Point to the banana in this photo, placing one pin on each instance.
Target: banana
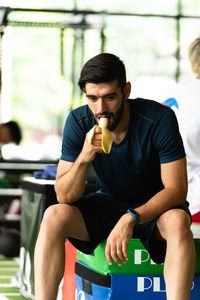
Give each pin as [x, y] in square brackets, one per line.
[107, 139]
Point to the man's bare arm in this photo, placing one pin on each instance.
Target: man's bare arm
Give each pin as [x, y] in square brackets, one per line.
[71, 177]
[70, 181]
[174, 178]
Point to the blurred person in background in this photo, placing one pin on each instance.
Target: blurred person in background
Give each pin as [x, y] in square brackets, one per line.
[185, 101]
[10, 132]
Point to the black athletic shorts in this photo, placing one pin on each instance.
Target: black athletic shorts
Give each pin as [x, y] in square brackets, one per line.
[101, 213]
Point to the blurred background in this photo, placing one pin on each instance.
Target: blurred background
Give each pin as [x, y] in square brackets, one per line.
[44, 45]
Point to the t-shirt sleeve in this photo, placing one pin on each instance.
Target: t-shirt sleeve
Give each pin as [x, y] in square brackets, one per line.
[72, 140]
[167, 138]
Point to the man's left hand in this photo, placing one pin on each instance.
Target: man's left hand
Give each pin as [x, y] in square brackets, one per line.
[118, 239]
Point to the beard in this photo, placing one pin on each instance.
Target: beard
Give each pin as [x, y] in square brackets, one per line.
[115, 117]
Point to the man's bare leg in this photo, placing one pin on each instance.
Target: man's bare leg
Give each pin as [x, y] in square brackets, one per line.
[179, 266]
[59, 221]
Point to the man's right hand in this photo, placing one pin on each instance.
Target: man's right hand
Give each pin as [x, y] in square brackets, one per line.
[71, 177]
[89, 150]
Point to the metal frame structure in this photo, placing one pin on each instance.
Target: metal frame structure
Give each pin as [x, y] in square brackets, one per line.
[79, 30]
[83, 25]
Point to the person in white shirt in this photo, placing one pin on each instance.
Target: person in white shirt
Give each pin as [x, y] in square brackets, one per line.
[185, 102]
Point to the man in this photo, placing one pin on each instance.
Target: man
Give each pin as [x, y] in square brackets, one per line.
[10, 132]
[145, 173]
[186, 95]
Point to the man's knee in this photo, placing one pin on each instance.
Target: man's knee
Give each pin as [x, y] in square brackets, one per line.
[55, 216]
[179, 219]
[174, 222]
[64, 220]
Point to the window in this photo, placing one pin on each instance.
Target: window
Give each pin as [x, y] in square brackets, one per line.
[43, 51]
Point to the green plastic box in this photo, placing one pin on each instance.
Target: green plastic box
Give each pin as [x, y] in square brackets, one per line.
[139, 262]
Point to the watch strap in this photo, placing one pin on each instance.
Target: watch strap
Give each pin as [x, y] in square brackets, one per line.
[134, 214]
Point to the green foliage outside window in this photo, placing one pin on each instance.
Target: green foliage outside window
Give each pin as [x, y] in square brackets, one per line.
[47, 59]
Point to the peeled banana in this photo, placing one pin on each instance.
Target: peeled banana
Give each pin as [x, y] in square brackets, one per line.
[107, 139]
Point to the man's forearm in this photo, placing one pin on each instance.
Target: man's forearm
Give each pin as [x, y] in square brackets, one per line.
[70, 186]
[159, 203]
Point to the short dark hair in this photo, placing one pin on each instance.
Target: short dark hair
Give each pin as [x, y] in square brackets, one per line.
[104, 67]
[15, 131]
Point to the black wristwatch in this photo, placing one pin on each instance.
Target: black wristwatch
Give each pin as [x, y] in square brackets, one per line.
[134, 214]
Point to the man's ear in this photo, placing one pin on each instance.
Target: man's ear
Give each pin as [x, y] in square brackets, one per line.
[127, 90]
[84, 90]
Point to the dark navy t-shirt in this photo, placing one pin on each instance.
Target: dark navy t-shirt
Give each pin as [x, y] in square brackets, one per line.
[131, 172]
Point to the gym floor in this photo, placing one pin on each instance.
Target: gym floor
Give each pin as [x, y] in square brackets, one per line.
[8, 283]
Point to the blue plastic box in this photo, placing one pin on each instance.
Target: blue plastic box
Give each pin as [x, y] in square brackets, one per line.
[93, 285]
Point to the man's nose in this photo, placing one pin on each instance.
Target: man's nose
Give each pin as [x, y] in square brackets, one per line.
[101, 105]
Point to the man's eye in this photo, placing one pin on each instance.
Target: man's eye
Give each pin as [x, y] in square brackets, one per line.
[93, 99]
[110, 98]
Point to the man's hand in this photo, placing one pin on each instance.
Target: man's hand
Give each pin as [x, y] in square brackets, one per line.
[117, 242]
[90, 149]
